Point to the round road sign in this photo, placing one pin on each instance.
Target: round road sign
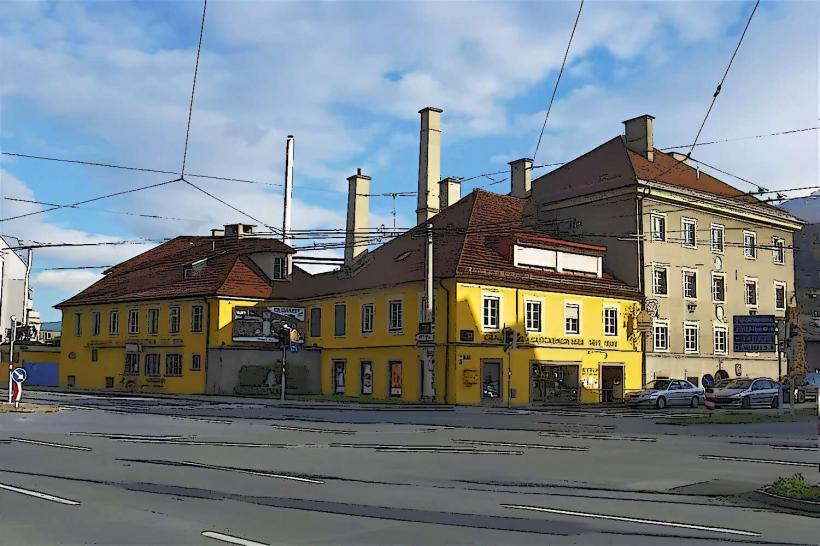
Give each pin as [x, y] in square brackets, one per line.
[19, 375]
[707, 381]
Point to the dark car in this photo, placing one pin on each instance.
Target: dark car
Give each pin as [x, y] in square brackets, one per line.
[746, 393]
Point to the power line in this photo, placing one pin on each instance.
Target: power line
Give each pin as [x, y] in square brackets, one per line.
[721, 141]
[240, 211]
[558, 80]
[193, 88]
[142, 215]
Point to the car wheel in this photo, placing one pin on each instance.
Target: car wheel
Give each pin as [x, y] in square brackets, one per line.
[695, 401]
[746, 403]
[801, 397]
[775, 402]
[661, 403]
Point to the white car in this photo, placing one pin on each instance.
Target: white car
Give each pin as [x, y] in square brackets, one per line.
[662, 393]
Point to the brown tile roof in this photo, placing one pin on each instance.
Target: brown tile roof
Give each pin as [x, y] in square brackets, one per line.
[159, 272]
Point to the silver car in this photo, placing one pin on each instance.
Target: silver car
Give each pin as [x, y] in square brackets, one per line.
[746, 393]
[662, 393]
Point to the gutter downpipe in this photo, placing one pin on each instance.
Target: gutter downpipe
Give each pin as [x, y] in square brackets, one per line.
[207, 342]
[447, 345]
[639, 226]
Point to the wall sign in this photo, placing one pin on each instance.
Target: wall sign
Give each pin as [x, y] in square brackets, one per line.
[466, 335]
[754, 333]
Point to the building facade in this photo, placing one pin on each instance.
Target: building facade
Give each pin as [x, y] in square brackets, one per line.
[13, 287]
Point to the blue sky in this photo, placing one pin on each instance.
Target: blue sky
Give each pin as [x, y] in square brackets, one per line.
[110, 82]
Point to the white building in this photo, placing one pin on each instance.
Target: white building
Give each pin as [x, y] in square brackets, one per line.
[12, 287]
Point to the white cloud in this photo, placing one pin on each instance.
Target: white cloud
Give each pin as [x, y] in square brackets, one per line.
[68, 282]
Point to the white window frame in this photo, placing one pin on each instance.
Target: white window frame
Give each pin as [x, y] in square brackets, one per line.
[652, 217]
[746, 281]
[614, 331]
[397, 325]
[572, 305]
[95, 323]
[750, 253]
[280, 268]
[196, 362]
[487, 320]
[174, 319]
[367, 327]
[530, 322]
[114, 322]
[694, 223]
[778, 251]
[153, 325]
[133, 321]
[656, 324]
[684, 272]
[720, 328]
[656, 267]
[197, 313]
[722, 229]
[174, 359]
[712, 287]
[689, 325]
[780, 284]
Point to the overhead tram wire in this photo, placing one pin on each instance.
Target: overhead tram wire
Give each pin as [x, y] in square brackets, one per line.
[193, 89]
[721, 141]
[126, 213]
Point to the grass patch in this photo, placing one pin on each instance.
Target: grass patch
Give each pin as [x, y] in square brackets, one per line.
[796, 488]
[741, 418]
[27, 408]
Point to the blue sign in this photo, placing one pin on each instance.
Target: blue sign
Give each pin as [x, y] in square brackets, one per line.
[754, 334]
[707, 381]
[294, 348]
[18, 375]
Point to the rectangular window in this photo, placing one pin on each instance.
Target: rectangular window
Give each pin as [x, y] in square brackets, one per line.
[78, 324]
[196, 362]
[114, 322]
[152, 365]
[367, 318]
[572, 318]
[751, 292]
[133, 321]
[95, 355]
[661, 336]
[153, 321]
[691, 331]
[109, 382]
[132, 364]
[173, 365]
[280, 268]
[778, 250]
[721, 340]
[780, 296]
[95, 323]
[610, 321]
[339, 319]
[718, 288]
[490, 311]
[395, 320]
[717, 238]
[196, 318]
[689, 236]
[750, 245]
[690, 284]
[658, 227]
[316, 322]
[659, 280]
[533, 316]
[173, 319]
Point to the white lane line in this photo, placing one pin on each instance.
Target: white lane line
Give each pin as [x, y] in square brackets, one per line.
[634, 520]
[533, 446]
[320, 430]
[218, 421]
[115, 436]
[232, 540]
[751, 460]
[44, 496]
[253, 472]
[448, 451]
[64, 446]
[595, 437]
[198, 443]
[797, 448]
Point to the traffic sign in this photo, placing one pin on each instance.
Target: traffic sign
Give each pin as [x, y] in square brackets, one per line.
[707, 381]
[754, 334]
[709, 402]
[19, 375]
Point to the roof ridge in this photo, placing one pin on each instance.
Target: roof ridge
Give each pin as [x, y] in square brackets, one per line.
[476, 192]
[580, 157]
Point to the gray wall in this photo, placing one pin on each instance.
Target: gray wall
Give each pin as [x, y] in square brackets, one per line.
[224, 365]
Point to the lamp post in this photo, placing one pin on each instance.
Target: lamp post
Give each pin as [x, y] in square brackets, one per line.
[11, 350]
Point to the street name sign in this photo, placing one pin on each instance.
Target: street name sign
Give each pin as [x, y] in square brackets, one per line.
[754, 333]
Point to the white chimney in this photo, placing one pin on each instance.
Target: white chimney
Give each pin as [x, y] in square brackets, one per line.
[639, 137]
[356, 238]
[286, 209]
[449, 191]
[520, 177]
[429, 164]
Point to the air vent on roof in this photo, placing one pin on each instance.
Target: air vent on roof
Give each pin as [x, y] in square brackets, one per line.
[402, 256]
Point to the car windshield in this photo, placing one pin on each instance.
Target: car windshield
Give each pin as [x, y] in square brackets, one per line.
[658, 384]
[734, 384]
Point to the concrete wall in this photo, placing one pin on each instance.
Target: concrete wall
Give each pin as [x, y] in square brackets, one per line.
[225, 364]
[12, 275]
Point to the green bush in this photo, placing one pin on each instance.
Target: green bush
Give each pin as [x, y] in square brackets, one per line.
[796, 488]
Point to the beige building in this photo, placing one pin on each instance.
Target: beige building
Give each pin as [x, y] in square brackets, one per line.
[701, 251]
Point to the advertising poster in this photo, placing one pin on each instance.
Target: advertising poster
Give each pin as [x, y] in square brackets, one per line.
[395, 379]
[367, 378]
[265, 324]
[339, 377]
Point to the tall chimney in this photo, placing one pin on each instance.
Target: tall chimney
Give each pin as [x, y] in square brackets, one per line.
[357, 211]
[639, 138]
[449, 191]
[520, 177]
[286, 209]
[429, 163]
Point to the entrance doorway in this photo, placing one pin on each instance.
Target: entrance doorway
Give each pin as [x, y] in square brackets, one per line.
[338, 377]
[491, 381]
[612, 383]
[553, 383]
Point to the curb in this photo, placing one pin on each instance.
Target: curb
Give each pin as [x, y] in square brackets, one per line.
[805, 507]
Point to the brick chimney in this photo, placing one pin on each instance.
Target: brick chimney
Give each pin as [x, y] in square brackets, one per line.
[429, 164]
[520, 177]
[358, 204]
[449, 191]
[639, 138]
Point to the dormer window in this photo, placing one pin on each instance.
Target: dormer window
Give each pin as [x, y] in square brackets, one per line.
[545, 259]
[280, 268]
[192, 270]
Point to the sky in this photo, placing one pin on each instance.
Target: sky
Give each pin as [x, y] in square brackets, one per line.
[110, 82]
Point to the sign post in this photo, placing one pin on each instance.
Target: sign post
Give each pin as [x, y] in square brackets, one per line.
[18, 377]
[11, 351]
[708, 383]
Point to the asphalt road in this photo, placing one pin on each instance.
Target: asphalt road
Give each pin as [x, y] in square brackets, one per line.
[203, 470]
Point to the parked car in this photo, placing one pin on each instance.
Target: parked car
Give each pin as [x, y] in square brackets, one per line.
[744, 392]
[806, 387]
[661, 393]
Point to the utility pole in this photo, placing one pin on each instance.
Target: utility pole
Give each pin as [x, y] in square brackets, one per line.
[428, 388]
[11, 350]
[285, 348]
[25, 288]
[286, 209]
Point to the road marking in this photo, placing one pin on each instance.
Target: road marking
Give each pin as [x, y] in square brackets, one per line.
[534, 446]
[219, 421]
[796, 448]
[751, 460]
[115, 436]
[44, 496]
[65, 446]
[634, 520]
[199, 443]
[232, 540]
[306, 429]
[595, 437]
[253, 472]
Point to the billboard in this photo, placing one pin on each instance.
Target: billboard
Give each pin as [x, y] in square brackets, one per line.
[754, 333]
[266, 324]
